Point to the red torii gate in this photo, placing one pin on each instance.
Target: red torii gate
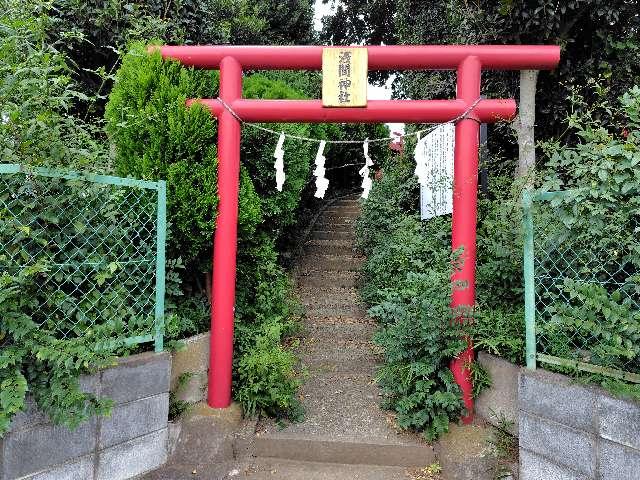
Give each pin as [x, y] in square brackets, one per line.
[468, 61]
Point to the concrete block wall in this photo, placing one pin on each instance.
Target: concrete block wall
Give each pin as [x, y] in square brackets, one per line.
[575, 432]
[192, 362]
[132, 441]
[498, 404]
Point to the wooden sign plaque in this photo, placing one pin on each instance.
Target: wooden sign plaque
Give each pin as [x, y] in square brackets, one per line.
[344, 77]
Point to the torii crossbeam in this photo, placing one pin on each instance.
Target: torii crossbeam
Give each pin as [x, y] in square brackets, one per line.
[468, 61]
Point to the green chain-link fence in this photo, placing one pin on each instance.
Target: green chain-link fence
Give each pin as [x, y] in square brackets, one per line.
[97, 244]
[582, 285]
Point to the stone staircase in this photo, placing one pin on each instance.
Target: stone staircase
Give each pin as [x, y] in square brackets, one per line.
[345, 434]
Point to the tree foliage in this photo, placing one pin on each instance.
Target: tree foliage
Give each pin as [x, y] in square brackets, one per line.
[36, 94]
[157, 136]
[93, 33]
[407, 284]
[599, 40]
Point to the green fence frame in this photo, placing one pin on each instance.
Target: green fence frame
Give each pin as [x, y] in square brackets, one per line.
[161, 231]
[532, 356]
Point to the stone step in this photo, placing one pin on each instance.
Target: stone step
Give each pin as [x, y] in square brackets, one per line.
[340, 217]
[326, 243]
[333, 235]
[330, 247]
[347, 202]
[346, 328]
[339, 279]
[347, 263]
[337, 220]
[339, 356]
[343, 208]
[334, 227]
[339, 406]
[335, 311]
[371, 453]
[262, 469]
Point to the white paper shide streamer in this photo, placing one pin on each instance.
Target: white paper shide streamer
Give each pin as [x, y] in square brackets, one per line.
[279, 163]
[364, 171]
[321, 181]
[434, 168]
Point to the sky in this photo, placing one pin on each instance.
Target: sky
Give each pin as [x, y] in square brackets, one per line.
[374, 92]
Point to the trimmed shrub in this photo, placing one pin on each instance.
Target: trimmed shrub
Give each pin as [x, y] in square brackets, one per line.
[156, 135]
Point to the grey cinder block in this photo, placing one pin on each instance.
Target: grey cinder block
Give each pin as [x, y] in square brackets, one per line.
[137, 377]
[618, 462]
[90, 383]
[133, 458]
[554, 397]
[77, 470]
[564, 446]
[535, 467]
[43, 446]
[134, 419]
[620, 421]
[32, 415]
[28, 418]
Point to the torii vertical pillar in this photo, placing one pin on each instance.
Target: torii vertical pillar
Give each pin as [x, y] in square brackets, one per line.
[225, 239]
[465, 214]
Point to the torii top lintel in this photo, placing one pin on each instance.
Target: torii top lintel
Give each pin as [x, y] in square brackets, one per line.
[467, 60]
[391, 57]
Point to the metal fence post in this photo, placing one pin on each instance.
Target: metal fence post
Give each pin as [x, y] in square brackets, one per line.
[160, 264]
[529, 281]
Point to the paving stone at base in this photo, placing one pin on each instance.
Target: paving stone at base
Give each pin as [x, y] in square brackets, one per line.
[563, 445]
[536, 467]
[619, 421]
[464, 453]
[618, 462]
[204, 441]
[133, 458]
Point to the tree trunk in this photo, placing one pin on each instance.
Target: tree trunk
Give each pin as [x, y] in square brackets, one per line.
[525, 123]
